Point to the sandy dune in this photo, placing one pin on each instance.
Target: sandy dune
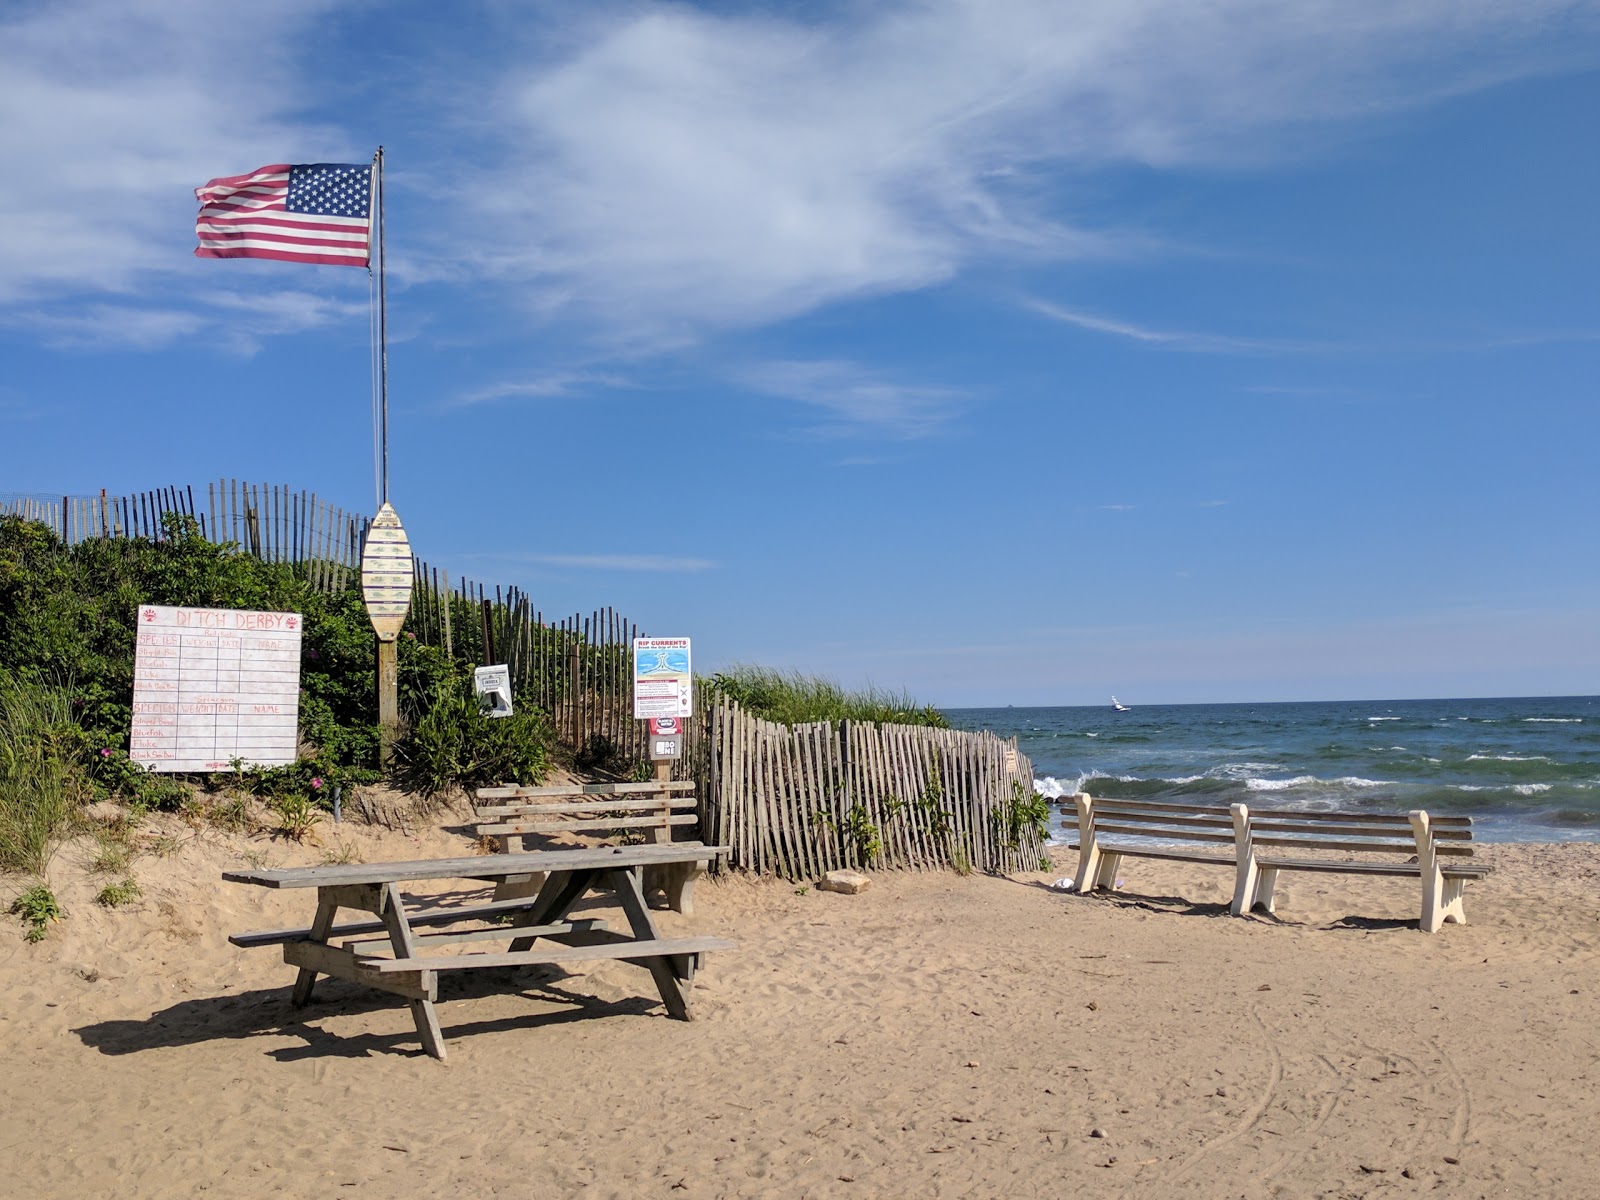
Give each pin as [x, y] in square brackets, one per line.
[934, 1036]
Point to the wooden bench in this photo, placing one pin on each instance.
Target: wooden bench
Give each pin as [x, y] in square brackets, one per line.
[1266, 842]
[1110, 830]
[535, 817]
[1273, 841]
[391, 951]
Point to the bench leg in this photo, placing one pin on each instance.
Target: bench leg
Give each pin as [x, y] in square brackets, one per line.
[1441, 901]
[676, 881]
[1265, 883]
[515, 887]
[1454, 910]
[306, 980]
[1105, 875]
[1245, 872]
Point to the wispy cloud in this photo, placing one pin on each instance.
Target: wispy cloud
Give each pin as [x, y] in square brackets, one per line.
[1168, 339]
[855, 400]
[548, 386]
[113, 111]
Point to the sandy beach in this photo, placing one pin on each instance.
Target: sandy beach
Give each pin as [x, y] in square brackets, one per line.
[936, 1035]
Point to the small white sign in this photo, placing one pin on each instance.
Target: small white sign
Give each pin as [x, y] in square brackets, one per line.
[492, 687]
[662, 681]
[666, 746]
[214, 684]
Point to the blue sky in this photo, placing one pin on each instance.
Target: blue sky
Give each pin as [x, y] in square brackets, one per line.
[1006, 352]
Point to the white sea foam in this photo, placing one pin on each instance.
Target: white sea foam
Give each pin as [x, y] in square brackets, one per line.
[1531, 789]
[1508, 758]
[1283, 785]
[1386, 718]
[1552, 720]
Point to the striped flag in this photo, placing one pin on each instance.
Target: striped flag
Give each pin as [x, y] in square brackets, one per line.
[309, 213]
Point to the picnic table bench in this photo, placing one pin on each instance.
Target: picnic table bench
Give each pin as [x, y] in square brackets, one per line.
[1265, 842]
[533, 817]
[397, 952]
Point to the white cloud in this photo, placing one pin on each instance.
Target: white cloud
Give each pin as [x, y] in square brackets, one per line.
[682, 171]
[855, 400]
[113, 111]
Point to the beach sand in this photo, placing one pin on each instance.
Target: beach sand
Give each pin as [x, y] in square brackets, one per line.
[936, 1035]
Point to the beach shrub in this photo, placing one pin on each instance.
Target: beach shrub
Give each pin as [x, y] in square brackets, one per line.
[115, 895]
[298, 815]
[453, 744]
[42, 785]
[792, 698]
[37, 907]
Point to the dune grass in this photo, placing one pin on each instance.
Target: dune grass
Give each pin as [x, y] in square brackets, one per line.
[792, 697]
[41, 787]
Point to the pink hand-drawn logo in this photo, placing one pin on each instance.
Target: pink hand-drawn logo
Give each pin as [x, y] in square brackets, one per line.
[290, 622]
[149, 615]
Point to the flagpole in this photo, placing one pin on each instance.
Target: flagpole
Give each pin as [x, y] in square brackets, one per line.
[383, 348]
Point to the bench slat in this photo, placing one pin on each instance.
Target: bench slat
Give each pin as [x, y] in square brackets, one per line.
[1153, 806]
[586, 789]
[437, 916]
[1405, 870]
[1164, 852]
[516, 827]
[1371, 818]
[657, 948]
[1155, 830]
[658, 804]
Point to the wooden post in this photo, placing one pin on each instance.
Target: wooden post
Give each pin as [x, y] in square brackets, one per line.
[388, 683]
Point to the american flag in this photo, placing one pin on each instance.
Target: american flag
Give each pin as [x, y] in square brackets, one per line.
[309, 213]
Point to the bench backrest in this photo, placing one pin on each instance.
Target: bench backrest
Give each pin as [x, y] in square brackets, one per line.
[1279, 829]
[592, 810]
[1357, 832]
[1152, 819]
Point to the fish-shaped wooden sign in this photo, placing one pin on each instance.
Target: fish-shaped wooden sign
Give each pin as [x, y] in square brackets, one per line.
[387, 574]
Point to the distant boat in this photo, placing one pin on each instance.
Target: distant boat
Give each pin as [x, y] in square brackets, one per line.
[1118, 705]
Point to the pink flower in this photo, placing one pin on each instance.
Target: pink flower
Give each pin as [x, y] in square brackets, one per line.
[105, 752]
[316, 783]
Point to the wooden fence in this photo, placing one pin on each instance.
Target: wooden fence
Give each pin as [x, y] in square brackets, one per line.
[799, 801]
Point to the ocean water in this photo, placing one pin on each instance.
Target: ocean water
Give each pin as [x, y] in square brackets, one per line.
[1526, 770]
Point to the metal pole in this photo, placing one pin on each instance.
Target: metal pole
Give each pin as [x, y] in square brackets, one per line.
[383, 349]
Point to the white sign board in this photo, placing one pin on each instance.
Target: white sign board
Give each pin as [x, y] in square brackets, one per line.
[661, 678]
[214, 684]
[492, 687]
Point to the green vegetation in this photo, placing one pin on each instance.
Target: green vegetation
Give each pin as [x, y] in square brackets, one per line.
[67, 637]
[37, 907]
[1026, 814]
[115, 895]
[42, 784]
[791, 698]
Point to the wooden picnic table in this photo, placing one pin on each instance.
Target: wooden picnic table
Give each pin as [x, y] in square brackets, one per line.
[390, 953]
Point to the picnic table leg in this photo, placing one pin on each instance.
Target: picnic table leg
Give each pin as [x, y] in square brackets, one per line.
[422, 1012]
[560, 891]
[327, 910]
[670, 975]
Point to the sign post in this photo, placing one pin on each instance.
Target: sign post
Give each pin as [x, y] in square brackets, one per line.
[387, 577]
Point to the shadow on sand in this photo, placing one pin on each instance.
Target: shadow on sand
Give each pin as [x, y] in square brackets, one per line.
[265, 1013]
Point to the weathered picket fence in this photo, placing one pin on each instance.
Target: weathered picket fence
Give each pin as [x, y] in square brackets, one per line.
[798, 801]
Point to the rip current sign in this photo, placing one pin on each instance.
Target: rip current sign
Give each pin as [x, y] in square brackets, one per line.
[662, 682]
